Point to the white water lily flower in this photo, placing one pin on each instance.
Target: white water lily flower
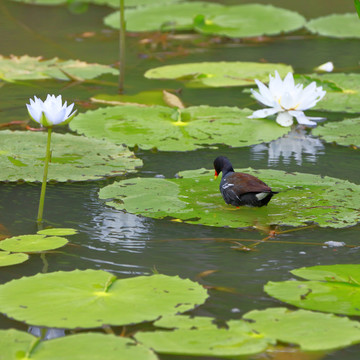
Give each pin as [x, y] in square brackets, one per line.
[51, 111]
[287, 100]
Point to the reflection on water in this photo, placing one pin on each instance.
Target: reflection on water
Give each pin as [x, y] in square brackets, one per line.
[47, 333]
[295, 144]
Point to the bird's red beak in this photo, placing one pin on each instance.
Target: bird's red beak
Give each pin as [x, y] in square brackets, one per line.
[216, 175]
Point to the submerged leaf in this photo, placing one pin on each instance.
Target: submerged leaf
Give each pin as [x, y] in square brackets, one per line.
[74, 158]
[195, 198]
[93, 298]
[218, 74]
[171, 130]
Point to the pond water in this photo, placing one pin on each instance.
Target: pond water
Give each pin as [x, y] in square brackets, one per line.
[129, 245]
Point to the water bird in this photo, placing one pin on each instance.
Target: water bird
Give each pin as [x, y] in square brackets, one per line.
[240, 189]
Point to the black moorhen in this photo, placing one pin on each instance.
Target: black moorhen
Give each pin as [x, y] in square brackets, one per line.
[241, 189]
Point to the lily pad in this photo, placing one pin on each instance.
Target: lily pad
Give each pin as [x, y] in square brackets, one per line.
[172, 16]
[92, 298]
[195, 198]
[336, 25]
[74, 158]
[200, 337]
[169, 130]
[7, 259]
[310, 330]
[342, 91]
[15, 344]
[218, 74]
[249, 20]
[36, 68]
[32, 243]
[58, 231]
[346, 132]
[332, 288]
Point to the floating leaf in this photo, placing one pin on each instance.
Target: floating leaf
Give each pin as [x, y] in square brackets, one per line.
[342, 91]
[336, 25]
[6, 259]
[162, 16]
[160, 127]
[346, 132]
[58, 231]
[74, 158]
[32, 243]
[15, 344]
[92, 298]
[249, 20]
[332, 288]
[200, 337]
[218, 74]
[35, 68]
[195, 198]
[311, 331]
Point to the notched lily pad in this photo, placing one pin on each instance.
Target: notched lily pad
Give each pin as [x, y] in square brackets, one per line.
[346, 132]
[7, 259]
[336, 25]
[249, 20]
[32, 243]
[15, 344]
[36, 68]
[165, 17]
[218, 74]
[310, 330]
[200, 337]
[195, 198]
[75, 158]
[171, 130]
[331, 288]
[92, 298]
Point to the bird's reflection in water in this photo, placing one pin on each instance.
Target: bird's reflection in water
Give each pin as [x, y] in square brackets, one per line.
[296, 144]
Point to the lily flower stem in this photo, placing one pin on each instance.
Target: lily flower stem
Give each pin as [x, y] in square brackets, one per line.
[122, 34]
[43, 186]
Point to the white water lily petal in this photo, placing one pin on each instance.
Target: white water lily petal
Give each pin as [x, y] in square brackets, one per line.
[287, 98]
[327, 67]
[284, 119]
[51, 111]
[263, 113]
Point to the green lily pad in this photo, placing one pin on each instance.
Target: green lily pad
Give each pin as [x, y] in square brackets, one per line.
[332, 288]
[58, 231]
[6, 258]
[310, 330]
[249, 20]
[32, 243]
[218, 74]
[199, 337]
[15, 344]
[159, 127]
[35, 68]
[195, 198]
[342, 91]
[172, 16]
[346, 132]
[92, 298]
[74, 158]
[336, 25]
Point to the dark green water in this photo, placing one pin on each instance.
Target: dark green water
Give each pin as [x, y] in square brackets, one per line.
[129, 245]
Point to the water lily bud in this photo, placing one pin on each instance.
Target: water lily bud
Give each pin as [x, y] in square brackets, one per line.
[327, 67]
[51, 111]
